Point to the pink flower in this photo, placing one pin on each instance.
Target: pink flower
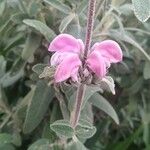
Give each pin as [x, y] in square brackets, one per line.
[69, 51]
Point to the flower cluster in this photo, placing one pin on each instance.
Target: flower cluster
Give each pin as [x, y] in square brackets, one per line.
[69, 53]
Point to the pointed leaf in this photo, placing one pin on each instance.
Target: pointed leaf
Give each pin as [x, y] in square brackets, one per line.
[65, 22]
[100, 102]
[38, 106]
[2, 66]
[32, 43]
[58, 5]
[41, 27]
[2, 7]
[82, 6]
[146, 71]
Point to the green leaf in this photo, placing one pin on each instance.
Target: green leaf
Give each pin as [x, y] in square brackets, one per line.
[85, 129]
[87, 112]
[42, 144]
[49, 134]
[19, 17]
[108, 84]
[62, 128]
[9, 79]
[32, 43]
[146, 71]
[15, 41]
[41, 27]
[135, 88]
[147, 147]
[22, 6]
[16, 139]
[137, 85]
[47, 72]
[2, 66]
[100, 102]
[141, 9]
[59, 5]
[65, 22]
[2, 7]
[82, 6]
[34, 9]
[146, 128]
[5, 26]
[5, 138]
[75, 145]
[6, 141]
[23, 103]
[18, 65]
[7, 147]
[38, 68]
[38, 106]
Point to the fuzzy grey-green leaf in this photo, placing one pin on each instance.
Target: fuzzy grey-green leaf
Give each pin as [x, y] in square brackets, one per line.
[62, 128]
[65, 22]
[2, 66]
[41, 144]
[75, 145]
[38, 68]
[5, 138]
[41, 27]
[142, 9]
[58, 5]
[38, 106]
[85, 129]
[100, 102]
[146, 70]
[32, 43]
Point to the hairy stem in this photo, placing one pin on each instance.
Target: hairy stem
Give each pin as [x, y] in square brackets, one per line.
[89, 29]
[75, 114]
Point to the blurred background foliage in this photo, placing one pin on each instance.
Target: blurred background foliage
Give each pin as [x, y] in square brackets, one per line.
[28, 105]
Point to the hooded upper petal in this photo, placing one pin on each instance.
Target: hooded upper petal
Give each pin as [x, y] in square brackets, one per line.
[110, 50]
[97, 64]
[66, 43]
[68, 68]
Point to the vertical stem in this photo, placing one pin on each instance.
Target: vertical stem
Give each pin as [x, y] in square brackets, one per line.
[89, 29]
[75, 114]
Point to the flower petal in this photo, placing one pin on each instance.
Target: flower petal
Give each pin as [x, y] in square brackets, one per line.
[68, 68]
[58, 57]
[74, 74]
[65, 43]
[110, 50]
[97, 64]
